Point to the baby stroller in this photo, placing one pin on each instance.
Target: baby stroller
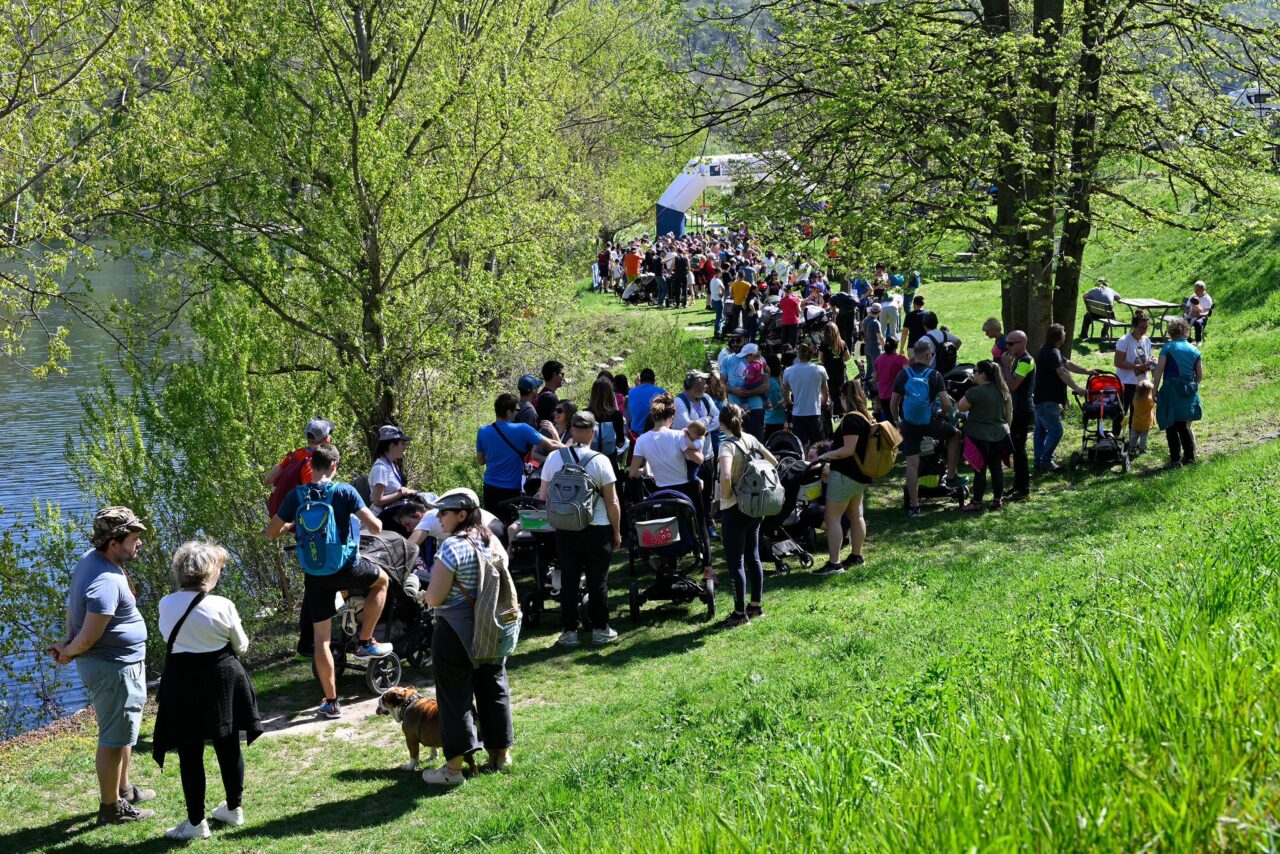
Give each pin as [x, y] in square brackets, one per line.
[776, 531]
[532, 553]
[664, 528]
[405, 623]
[933, 483]
[1101, 404]
[814, 323]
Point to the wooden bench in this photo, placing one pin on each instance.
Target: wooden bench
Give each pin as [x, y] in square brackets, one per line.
[1105, 315]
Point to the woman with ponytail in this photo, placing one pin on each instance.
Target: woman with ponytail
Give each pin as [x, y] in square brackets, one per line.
[990, 408]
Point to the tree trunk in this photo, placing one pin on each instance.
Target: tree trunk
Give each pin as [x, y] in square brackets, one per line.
[1041, 214]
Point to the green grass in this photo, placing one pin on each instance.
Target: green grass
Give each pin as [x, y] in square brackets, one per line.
[1094, 670]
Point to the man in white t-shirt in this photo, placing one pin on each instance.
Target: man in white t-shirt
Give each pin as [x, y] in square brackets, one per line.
[1133, 360]
[1198, 308]
[715, 290]
[891, 315]
[589, 550]
[806, 394]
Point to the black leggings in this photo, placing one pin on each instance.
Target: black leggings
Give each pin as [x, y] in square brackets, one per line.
[992, 461]
[471, 696]
[1182, 445]
[191, 770]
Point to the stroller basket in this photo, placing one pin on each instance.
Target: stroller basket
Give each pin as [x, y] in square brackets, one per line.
[655, 533]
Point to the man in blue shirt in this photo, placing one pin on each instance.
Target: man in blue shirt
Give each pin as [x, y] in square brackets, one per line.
[108, 641]
[640, 398]
[318, 605]
[501, 447]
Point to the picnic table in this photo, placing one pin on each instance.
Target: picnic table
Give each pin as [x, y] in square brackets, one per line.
[1154, 307]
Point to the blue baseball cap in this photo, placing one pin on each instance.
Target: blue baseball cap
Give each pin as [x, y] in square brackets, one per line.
[528, 383]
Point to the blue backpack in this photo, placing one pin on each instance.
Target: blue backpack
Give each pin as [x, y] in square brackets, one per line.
[322, 548]
[917, 398]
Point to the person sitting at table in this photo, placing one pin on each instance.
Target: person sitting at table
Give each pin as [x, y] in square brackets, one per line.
[1197, 309]
[1101, 292]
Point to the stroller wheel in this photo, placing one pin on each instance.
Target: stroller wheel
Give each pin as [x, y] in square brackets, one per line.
[1125, 462]
[806, 561]
[633, 599]
[532, 610]
[709, 596]
[1073, 461]
[383, 674]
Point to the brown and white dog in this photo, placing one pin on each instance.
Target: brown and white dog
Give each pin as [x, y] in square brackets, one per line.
[419, 717]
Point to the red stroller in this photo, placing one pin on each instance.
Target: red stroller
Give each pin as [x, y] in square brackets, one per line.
[1101, 404]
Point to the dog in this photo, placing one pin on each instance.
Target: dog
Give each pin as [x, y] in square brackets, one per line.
[419, 718]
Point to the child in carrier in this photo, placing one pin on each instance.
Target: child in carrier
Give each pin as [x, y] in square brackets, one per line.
[1143, 417]
[695, 431]
[753, 373]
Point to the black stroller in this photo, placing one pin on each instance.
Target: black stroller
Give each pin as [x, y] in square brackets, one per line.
[932, 483]
[405, 623]
[1101, 403]
[532, 553]
[776, 531]
[664, 528]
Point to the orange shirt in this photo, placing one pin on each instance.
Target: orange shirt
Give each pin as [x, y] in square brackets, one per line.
[739, 291]
[631, 264]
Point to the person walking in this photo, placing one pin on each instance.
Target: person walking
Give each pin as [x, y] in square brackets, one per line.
[640, 399]
[789, 311]
[920, 406]
[1177, 380]
[295, 469]
[1053, 378]
[205, 694]
[715, 289]
[1133, 362]
[107, 640]
[587, 551]
[468, 691]
[740, 533]
[321, 583]
[833, 355]
[873, 335]
[806, 394]
[990, 409]
[552, 380]
[846, 484]
[1020, 376]
[527, 413]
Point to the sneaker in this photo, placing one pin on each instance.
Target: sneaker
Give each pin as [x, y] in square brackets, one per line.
[713, 533]
[134, 795]
[568, 638]
[913, 512]
[226, 815]
[330, 709]
[754, 612]
[603, 636]
[854, 560]
[829, 568]
[734, 620]
[998, 504]
[1018, 495]
[187, 830]
[121, 812]
[443, 776]
[372, 649]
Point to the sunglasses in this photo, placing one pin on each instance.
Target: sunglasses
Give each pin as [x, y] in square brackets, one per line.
[559, 411]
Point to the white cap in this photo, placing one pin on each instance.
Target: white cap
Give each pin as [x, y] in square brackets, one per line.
[748, 350]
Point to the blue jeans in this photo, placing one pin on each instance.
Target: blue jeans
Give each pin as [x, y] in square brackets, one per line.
[740, 534]
[1048, 433]
[750, 324]
[717, 305]
[662, 290]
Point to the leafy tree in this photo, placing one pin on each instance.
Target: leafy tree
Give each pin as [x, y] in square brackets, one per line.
[1002, 120]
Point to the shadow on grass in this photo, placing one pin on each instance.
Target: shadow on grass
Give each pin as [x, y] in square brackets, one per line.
[48, 837]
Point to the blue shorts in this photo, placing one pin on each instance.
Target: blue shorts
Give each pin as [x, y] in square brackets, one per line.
[118, 692]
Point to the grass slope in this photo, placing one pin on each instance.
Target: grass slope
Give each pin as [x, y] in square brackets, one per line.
[1093, 670]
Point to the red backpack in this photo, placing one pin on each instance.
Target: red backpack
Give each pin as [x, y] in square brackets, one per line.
[289, 479]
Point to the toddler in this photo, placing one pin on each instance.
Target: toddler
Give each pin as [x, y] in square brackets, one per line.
[694, 433]
[1143, 417]
[753, 373]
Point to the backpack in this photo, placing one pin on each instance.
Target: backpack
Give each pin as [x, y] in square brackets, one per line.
[881, 450]
[572, 493]
[606, 439]
[289, 479]
[322, 548]
[497, 610]
[944, 352]
[917, 398]
[759, 491]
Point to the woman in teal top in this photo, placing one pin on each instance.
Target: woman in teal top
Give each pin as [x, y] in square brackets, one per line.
[775, 417]
[1177, 380]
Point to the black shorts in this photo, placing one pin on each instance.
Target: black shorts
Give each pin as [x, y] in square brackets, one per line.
[913, 433]
[318, 590]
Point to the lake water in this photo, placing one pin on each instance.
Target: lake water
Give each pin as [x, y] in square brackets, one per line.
[38, 415]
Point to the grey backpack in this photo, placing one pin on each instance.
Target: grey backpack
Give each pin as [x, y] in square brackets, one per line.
[572, 493]
[759, 491]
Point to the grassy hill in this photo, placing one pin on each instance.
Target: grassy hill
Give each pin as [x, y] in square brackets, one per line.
[1093, 670]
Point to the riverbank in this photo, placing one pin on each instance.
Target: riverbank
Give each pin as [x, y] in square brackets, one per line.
[1051, 673]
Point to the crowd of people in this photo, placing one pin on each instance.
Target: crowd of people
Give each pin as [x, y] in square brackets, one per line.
[781, 371]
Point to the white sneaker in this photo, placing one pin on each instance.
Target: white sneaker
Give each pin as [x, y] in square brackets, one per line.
[233, 817]
[187, 830]
[602, 636]
[568, 639]
[443, 776]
